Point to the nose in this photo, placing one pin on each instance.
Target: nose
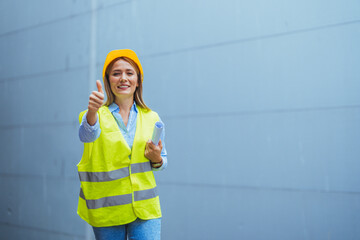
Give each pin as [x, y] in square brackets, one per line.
[123, 76]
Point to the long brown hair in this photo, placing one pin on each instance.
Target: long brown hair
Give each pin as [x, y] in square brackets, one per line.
[138, 91]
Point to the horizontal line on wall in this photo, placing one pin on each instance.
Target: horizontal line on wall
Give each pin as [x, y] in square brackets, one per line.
[196, 48]
[259, 112]
[200, 115]
[249, 39]
[125, 2]
[36, 75]
[40, 230]
[39, 125]
[42, 177]
[256, 188]
[61, 19]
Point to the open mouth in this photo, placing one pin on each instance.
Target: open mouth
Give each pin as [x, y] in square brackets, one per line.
[122, 87]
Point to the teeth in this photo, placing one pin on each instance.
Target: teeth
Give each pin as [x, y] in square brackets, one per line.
[123, 87]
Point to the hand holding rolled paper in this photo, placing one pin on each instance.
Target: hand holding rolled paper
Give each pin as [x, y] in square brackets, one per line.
[153, 152]
[154, 146]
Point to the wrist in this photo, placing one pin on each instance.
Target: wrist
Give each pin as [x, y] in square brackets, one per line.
[157, 164]
[91, 118]
[91, 112]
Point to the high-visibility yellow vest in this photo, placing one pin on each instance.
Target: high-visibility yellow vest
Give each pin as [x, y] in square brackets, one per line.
[117, 183]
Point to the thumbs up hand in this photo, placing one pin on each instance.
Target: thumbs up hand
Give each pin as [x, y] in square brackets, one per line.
[99, 87]
[96, 100]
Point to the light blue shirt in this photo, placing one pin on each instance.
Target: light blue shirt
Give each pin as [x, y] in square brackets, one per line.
[89, 133]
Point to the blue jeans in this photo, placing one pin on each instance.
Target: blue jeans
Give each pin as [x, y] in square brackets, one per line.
[139, 230]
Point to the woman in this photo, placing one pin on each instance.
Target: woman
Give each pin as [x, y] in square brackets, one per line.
[118, 194]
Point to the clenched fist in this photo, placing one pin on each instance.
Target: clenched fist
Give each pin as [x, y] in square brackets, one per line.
[96, 100]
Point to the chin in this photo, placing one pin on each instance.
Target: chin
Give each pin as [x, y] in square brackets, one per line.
[124, 94]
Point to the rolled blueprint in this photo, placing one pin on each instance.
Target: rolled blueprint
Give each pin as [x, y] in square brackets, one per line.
[159, 126]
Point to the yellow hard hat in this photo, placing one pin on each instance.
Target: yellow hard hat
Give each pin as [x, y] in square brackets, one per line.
[123, 53]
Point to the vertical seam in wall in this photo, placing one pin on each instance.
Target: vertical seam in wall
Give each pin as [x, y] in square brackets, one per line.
[92, 50]
[92, 76]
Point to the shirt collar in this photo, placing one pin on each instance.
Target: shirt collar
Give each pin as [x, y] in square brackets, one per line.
[115, 108]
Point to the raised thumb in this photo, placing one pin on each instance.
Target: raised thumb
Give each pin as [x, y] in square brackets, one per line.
[99, 86]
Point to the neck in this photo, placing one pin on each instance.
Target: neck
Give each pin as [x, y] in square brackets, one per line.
[125, 104]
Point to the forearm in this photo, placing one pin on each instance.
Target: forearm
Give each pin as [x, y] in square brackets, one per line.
[87, 132]
[91, 118]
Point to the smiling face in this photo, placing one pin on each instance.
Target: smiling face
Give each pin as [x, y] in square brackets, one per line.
[123, 79]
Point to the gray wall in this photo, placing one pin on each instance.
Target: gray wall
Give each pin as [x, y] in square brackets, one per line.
[260, 100]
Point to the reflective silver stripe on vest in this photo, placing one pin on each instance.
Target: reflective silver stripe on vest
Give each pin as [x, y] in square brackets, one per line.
[120, 199]
[107, 201]
[145, 194]
[140, 167]
[104, 176]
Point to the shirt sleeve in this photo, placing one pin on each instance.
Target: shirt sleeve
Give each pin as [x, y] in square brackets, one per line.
[163, 152]
[88, 133]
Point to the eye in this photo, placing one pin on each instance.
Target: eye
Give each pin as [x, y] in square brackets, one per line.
[115, 74]
[130, 73]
